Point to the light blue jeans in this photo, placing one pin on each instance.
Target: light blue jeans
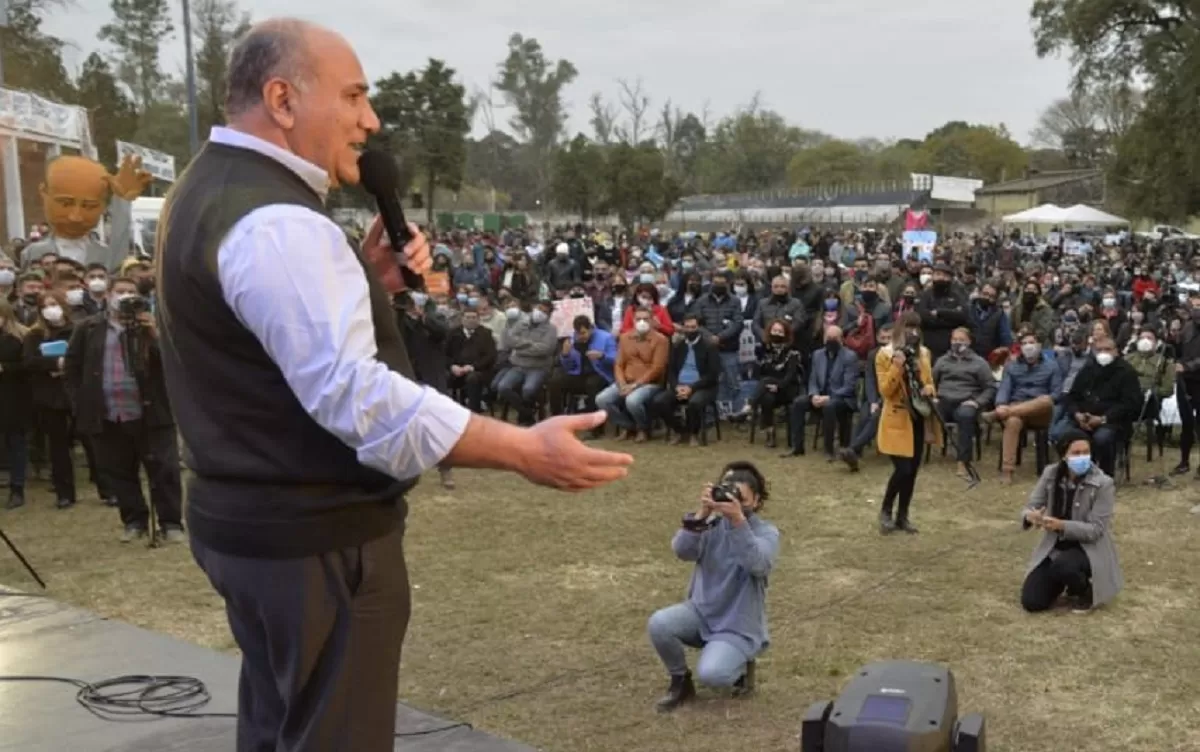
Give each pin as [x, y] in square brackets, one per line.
[672, 628]
[630, 412]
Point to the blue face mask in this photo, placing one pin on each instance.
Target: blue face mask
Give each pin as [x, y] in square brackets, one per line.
[831, 305]
[1079, 465]
[646, 279]
[462, 297]
[688, 265]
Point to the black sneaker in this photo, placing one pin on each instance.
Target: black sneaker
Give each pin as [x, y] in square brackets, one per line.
[132, 533]
[745, 685]
[887, 525]
[850, 457]
[65, 503]
[680, 691]
[907, 527]
[1181, 469]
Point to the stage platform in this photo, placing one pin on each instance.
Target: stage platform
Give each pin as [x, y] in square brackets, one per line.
[40, 636]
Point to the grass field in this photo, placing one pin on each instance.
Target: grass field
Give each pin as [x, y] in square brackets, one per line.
[530, 607]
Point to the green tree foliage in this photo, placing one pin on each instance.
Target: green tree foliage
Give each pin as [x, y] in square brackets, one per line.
[425, 116]
[216, 24]
[112, 115]
[828, 163]
[137, 30]
[32, 59]
[1114, 43]
[578, 181]
[979, 151]
[533, 87]
[750, 151]
[636, 183]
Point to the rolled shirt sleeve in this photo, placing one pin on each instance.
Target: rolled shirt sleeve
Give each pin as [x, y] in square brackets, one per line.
[290, 277]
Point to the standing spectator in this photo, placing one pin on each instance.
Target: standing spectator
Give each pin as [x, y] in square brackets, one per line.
[942, 309]
[15, 403]
[780, 306]
[640, 369]
[989, 322]
[723, 321]
[1033, 310]
[114, 370]
[45, 351]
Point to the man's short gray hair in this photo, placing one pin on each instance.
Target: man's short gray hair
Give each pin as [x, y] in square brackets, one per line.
[272, 49]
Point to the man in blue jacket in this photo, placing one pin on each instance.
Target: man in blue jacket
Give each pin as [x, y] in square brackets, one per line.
[831, 389]
[1031, 385]
[587, 361]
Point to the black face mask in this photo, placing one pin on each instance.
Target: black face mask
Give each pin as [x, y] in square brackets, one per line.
[985, 303]
[870, 298]
[941, 286]
[720, 290]
[29, 298]
[578, 295]
[691, 337]
[618, 291]
[694, 288]
[779, 338]
[1030, 300]
[909, 298]
[833, 347]
[780, 297]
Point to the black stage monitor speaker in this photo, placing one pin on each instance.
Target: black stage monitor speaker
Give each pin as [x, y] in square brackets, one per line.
[893, 706]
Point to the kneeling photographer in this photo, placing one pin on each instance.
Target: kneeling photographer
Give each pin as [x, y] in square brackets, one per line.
[114, 372]
[725, 612]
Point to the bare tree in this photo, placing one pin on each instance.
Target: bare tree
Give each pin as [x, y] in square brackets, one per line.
[481, 105]
[1085, 126]
[1117, 106]
[636, 104]
[1075, 114]
[668, 130]
[604, 119]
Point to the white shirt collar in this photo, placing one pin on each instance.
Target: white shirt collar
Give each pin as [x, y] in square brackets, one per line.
[314, 176]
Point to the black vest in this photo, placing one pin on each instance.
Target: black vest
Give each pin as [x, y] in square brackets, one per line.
[268, 480]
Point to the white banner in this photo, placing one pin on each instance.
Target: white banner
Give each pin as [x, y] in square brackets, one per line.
[157, 163]
[29, 116]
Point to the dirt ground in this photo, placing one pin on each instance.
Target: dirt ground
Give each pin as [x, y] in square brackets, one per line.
[530, 607]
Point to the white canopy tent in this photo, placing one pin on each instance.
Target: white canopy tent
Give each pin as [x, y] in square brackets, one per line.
[1081, 214]
[1046, 214]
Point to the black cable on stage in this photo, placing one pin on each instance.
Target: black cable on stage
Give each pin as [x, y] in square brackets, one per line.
[137, 696]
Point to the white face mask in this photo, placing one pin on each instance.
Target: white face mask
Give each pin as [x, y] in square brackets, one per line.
[645, 300]
[740, 289]
[642, 326]
[539, 316]
[925, 279]
[1145, 345]
[1109, 302]
[1030, 351]
[7, 277]
[419, 299]
[97, 285]
[53, 314]
[75, 297]
[1104, 358]
[512, 314]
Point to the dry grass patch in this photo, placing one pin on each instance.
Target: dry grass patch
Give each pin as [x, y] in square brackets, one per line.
[530, 607]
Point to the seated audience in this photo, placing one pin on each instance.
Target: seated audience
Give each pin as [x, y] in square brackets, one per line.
[725, 615]
[471, 351]
[638, 376]
[964, 386]
[586, 361]
[1025, 398]
[832, 382]
[1073, 505]
[1155, 370]
[531, 343]
[693, 373]
[1104, 401]
[779, 306]
[646, 296]
[779, 373]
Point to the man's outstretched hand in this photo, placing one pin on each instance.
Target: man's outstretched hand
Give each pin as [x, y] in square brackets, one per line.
[555, 457]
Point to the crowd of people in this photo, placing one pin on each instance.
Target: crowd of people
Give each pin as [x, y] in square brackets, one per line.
[79, 365]
[869, 341]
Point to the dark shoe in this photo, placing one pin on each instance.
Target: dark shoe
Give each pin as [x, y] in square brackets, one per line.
[16, 499]
[1181, 469]
[907, 527]
[745, 685]
[887, 525]
[829, 457]
[680, 691]
[770, 442]
[65, 503]
[794, 452]
[850, 457]
[109, 502]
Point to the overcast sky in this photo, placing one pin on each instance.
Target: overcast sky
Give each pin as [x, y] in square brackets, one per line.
[853, 68]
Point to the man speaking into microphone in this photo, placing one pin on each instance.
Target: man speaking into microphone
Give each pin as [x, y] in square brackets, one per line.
[295, 396]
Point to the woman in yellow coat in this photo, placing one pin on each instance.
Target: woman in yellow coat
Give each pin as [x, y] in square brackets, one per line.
[905, 423]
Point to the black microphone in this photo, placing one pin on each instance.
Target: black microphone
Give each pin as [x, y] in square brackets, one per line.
[380, 176]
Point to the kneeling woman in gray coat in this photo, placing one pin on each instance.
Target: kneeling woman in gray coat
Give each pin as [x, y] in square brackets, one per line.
[1073, 505]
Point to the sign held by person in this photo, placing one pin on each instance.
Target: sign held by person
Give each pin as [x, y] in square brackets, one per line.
[157, 163]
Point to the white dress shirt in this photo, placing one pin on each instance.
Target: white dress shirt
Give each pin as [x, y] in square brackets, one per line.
[292, 279]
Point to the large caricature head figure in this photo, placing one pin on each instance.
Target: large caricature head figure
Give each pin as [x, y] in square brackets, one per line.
[74, 195]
